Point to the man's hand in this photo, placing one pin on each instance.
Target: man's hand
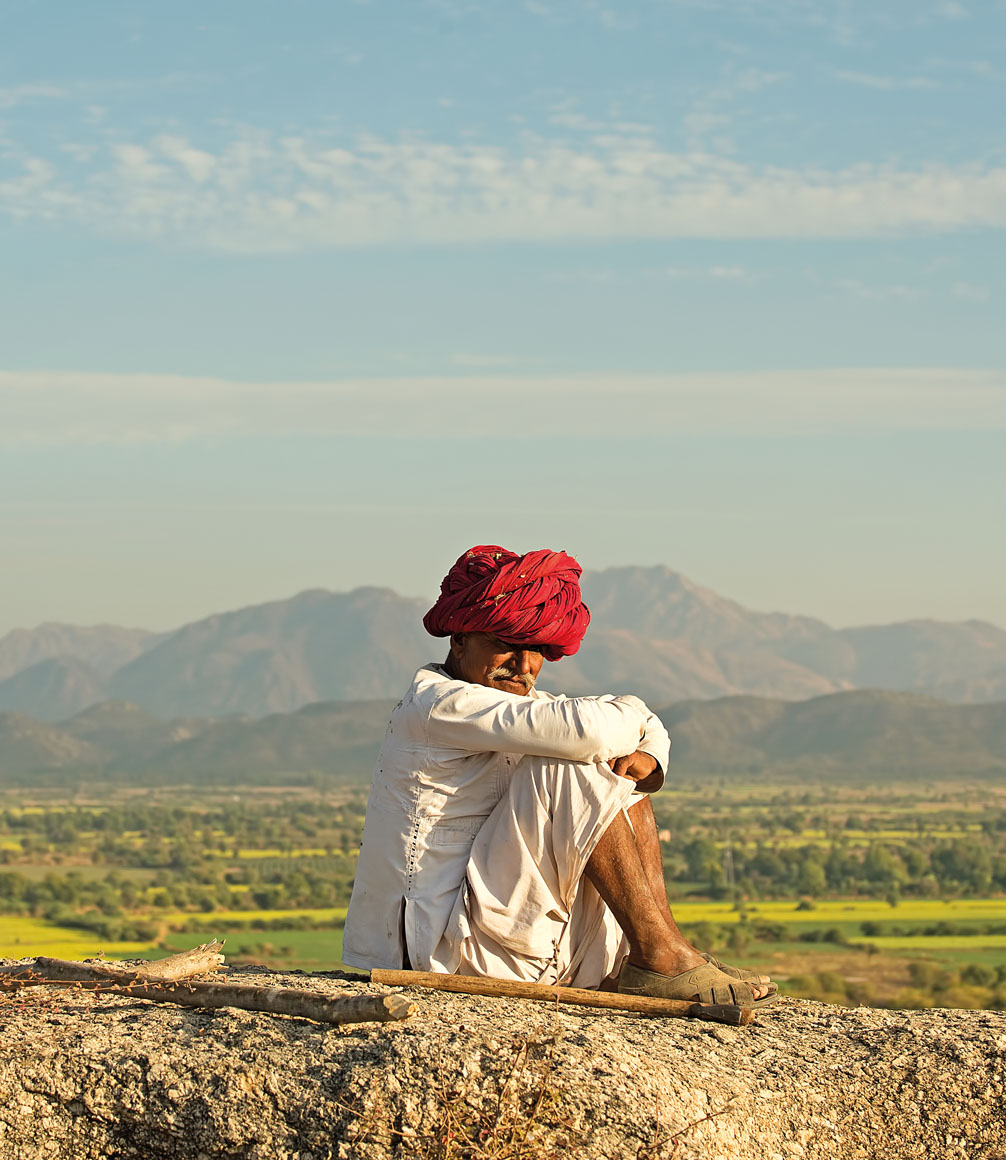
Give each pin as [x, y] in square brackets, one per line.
[641, 768]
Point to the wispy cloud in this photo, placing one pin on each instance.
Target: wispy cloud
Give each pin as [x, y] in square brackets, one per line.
[596, 277]
[261, 192]
[846, 23]
[717, 273]
[969, 292]
[969, 68]
[707, 122]
[872, 292]
[52, 407]
[884, 83]
[29, 94]
[599, 276]
[473, 361]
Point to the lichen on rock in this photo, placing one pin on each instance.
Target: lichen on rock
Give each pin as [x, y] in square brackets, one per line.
[471, 1077]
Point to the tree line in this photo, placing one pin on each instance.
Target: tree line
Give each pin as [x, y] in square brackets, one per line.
[185, 857]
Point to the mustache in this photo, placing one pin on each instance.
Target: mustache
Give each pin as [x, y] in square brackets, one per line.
[504, 674]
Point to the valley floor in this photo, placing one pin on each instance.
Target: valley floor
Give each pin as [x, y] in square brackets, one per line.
[887, 896]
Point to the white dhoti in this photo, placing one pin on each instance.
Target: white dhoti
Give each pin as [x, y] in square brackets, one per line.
[526, 909]
[484, 810]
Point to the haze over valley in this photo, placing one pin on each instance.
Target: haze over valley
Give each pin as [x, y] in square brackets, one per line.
[306, 684]
[654, 633]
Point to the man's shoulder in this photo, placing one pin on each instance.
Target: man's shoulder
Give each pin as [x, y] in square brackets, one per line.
[433, 687]
[429, 684]
[434, 693]
[431, 671]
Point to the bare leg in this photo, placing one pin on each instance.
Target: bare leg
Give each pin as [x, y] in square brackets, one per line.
[644, 828]
[617, 872]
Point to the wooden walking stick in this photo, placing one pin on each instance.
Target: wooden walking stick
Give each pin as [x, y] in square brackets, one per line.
[544, 993]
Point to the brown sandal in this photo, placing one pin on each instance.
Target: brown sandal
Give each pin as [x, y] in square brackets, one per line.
[705, 984]
[739, 972]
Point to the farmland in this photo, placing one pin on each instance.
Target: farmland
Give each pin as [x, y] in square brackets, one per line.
[892, 894]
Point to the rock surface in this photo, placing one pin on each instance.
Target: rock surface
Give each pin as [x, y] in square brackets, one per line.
[85, 1079]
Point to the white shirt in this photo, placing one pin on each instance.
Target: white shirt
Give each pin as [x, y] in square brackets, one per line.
[447, 759]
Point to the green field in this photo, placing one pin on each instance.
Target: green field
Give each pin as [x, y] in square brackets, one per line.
[308, 950]
[223, 917]
[779, 876]
[936, 942]
[276, 852]
[22, 938]
[35, 871]
[831, 911]
[850, 837]
[963, 954]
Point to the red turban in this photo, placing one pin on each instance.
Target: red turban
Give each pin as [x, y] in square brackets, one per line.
[531, 599]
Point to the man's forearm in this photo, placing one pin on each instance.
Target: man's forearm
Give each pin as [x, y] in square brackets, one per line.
[592, 729]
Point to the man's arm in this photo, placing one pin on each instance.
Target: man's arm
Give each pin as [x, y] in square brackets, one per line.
[646, 765]
[476, 718]
[656, 744]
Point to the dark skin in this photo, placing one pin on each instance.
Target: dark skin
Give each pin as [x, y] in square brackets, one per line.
[625, 867]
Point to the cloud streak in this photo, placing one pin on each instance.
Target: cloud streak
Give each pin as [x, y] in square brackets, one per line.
[884, 83]
[54, 408]
[264, 193]
[11, 98]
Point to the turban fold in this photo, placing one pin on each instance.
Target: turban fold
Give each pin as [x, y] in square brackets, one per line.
[524, 600]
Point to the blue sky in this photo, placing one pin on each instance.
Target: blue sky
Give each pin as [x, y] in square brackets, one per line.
[313, 293]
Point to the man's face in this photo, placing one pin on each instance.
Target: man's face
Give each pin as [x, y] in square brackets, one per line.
[484, 659]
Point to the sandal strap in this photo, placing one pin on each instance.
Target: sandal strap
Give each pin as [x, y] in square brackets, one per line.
[704, 984]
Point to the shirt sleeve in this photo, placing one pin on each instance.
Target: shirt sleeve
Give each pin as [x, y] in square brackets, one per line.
[477, 719]
[656, 741]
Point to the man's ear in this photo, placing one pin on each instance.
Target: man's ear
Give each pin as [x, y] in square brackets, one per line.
[457, 643]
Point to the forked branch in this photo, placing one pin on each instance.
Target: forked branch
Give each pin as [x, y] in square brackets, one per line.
[170, 981]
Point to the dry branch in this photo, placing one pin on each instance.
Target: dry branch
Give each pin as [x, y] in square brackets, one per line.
[43, 970]
[201, 960]
[542, 993]
[167, 981]
[275, 1000]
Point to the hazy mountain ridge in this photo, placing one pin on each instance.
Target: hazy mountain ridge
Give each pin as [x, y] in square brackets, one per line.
[103, 647]
[722, 648]
[53, 689]
[661, 603]
[858, 733]
[865, 730]
[29, 746]
[618, 660]
[654, 632]
[275, 657]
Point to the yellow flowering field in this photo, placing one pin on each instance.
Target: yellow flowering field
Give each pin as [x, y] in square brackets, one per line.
[22, 938]
[935, 942]
[316, 914]
[849, 910]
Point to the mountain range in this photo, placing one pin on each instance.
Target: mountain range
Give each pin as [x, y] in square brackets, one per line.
[877, 735]
[654, 632]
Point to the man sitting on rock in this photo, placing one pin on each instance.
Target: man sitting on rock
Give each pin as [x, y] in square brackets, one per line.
[509, 832]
